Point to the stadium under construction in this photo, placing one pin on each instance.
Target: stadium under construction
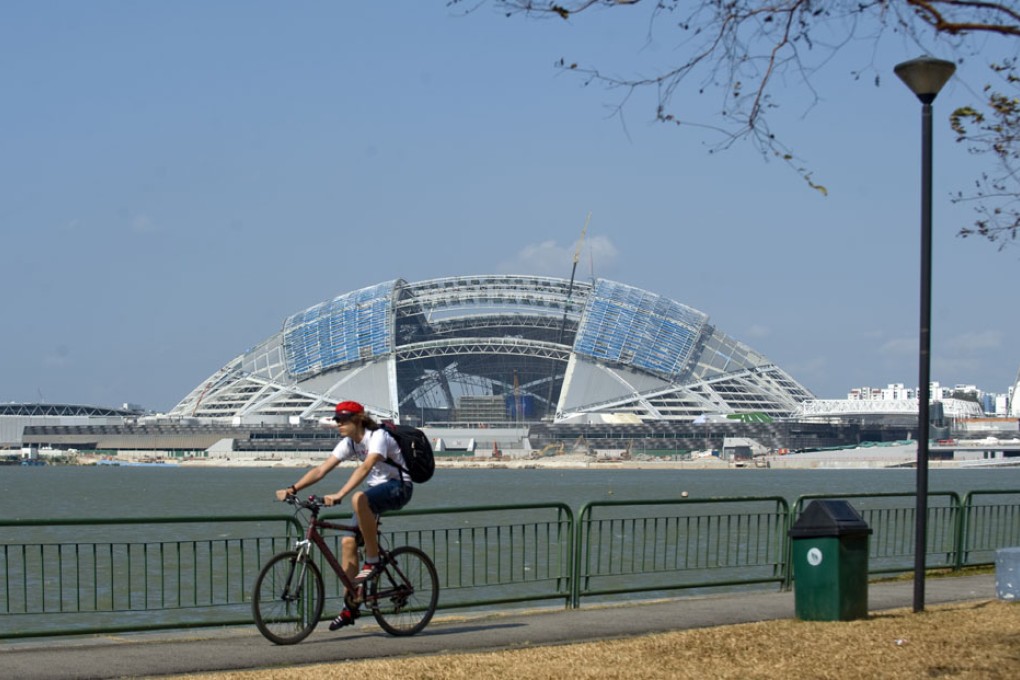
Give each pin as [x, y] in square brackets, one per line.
[486, 362]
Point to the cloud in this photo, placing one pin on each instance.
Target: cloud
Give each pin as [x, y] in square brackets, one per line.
[954, 366]
[758, 331]
[976, 341]
[60, 357]
[548, 258]
[809, 370]
[542, 258]
[899, 347]
[143, 224]
[963, 355]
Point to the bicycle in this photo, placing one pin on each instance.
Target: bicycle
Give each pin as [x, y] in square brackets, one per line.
[289, 597]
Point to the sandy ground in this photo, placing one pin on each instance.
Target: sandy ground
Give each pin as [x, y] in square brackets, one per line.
[964, 640]
[558, 462]
[864, 457]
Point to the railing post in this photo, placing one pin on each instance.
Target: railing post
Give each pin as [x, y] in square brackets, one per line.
[571, 557]
[791, 517]
[961, 529]
[578, 556]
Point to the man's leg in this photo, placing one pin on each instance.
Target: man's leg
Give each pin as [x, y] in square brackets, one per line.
[349, 556]
[369, 528]
[368, 506]
[349, 562]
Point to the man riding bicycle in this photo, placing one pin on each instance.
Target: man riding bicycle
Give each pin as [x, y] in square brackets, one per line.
[388, 488]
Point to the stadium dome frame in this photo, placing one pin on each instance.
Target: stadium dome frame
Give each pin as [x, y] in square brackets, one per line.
[496, 348]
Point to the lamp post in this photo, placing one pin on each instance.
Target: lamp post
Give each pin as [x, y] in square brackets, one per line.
[925, 77]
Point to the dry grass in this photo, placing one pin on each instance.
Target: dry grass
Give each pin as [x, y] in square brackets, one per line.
[968, 640]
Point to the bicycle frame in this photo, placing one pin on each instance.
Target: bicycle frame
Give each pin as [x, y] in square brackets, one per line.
[313, 536]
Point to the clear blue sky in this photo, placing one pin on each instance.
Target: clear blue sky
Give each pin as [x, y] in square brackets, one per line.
[178, 177]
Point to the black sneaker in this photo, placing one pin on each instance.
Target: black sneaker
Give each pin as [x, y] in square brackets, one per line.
[346, 617]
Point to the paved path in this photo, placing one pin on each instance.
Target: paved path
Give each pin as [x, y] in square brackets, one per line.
[203, 650]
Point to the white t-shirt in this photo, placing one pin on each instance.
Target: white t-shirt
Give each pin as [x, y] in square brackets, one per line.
[374, 441]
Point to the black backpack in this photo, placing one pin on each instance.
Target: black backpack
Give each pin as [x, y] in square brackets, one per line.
[416, 449]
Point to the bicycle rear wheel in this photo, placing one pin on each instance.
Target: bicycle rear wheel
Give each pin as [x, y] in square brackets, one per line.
[404, 594]
[288, 598]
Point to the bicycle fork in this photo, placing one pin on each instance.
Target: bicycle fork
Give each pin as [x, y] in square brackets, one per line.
[298, 572]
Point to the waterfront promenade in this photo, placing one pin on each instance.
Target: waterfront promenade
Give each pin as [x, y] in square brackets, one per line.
[239, 648]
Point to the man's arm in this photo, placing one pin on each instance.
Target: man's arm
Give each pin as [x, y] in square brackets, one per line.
[310, 477]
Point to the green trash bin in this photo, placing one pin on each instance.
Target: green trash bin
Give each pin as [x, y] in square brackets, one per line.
[830, 562]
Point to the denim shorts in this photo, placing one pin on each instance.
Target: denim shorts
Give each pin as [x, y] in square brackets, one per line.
[386, 497]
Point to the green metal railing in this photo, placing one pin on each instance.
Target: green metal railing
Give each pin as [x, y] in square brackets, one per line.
[891, 517]
[81, 576]
[116, 575]
[490, 555]
[664, 545]
[991, 520]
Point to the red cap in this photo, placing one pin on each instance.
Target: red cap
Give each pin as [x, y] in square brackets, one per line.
[346, 407]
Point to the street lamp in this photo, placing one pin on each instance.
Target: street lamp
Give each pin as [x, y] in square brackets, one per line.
[925, 77]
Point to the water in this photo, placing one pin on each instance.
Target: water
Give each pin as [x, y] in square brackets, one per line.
[115, 492]
[54, 492]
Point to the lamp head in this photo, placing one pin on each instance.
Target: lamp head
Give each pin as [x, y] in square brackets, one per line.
[925, 76]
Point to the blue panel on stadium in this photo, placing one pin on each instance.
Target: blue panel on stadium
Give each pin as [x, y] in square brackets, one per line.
[350, 328]
[631, 326]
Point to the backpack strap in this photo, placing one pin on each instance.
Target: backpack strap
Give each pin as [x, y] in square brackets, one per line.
[394, 463]
[386, 456]
[401, 468]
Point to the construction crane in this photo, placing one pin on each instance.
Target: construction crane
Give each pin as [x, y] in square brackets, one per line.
[566, 309]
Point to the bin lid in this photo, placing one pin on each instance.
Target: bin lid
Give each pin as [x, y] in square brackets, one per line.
[823, 518]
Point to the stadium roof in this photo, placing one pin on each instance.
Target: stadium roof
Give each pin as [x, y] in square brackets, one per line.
[62, 410]
[496, 348]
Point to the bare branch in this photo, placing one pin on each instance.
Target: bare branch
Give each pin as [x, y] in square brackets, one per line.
[743, 48]
[933, 13]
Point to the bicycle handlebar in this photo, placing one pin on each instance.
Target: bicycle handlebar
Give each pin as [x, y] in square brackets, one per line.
[313, 503]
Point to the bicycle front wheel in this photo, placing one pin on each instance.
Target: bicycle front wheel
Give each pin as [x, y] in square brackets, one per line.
[288, 598]
[404, 594]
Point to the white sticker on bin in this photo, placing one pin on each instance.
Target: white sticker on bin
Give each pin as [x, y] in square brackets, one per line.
[814, 557]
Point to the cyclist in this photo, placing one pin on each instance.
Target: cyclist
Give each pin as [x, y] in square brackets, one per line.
[388, 488]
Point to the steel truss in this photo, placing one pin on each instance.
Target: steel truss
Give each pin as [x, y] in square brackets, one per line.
[446, 337]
